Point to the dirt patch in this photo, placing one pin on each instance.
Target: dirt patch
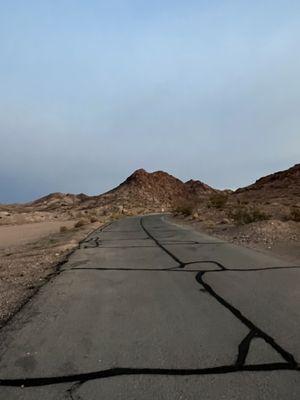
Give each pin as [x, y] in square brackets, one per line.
[24, 268]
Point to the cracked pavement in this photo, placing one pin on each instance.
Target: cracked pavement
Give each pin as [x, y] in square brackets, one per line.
[145, 309]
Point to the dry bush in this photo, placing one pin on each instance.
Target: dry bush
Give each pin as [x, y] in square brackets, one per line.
[185, 207]
[295, 214]
[218, 200]
[115, 216]
[93, 212]
[63, 229]
[243, 215]
[80, 223]
[93, 219]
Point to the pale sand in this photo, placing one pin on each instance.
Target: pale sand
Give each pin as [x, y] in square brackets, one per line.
[14, 235]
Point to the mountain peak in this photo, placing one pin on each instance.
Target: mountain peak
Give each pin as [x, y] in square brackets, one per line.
[137, 174]
[140, 171]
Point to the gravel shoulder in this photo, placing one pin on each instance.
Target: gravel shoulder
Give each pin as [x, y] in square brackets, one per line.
[29, 255]
[273, 237]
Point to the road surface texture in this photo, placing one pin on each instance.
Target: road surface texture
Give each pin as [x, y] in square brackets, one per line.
[149, 310]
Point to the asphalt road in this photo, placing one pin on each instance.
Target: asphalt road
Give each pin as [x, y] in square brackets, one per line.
[146, 309]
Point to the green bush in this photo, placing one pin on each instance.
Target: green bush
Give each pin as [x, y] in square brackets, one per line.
[243, 215]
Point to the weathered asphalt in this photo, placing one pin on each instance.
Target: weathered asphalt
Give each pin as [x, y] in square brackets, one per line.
[146, 309]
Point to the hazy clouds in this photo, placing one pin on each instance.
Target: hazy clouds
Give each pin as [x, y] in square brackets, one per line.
[90, 92]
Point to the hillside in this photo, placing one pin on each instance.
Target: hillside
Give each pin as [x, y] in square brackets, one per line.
[264, 215]
[279, 184]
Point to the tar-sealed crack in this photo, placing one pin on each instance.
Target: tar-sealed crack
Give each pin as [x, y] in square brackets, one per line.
[238, 314]
[71, 392]
[244, 348]
[113, 372]
[78, 380]
[180, 263]
[254, 330]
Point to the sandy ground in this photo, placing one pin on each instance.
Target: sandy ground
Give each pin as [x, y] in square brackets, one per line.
[14, 235]
[29, 255]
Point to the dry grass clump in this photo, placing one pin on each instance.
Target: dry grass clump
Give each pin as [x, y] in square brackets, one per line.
[294, 214]
[218, 200]
[80, 223]
[244, 215]
[93, 219]
[115, 216]
[63, 229]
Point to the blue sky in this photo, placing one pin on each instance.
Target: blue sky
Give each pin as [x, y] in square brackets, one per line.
[92, 90]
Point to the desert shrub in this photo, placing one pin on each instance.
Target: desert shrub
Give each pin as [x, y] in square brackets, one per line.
[93, 219]
[218, 200]
[63, 229]
[243, 215]
[185, 207]
[93, 212]
[115, 215]
[245, 202]
[295, 214]
[80, 223]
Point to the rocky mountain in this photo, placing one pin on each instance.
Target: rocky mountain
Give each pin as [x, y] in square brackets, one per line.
[141, 191]
[154, 191]
[157, 188]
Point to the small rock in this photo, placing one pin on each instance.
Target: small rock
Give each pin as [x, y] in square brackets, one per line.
[225, 221]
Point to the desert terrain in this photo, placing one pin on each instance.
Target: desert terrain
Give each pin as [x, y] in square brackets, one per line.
[38, 236]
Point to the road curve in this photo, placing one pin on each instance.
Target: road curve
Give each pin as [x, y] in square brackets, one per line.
[145, 309]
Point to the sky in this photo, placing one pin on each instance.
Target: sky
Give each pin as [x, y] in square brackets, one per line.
[91, 90]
